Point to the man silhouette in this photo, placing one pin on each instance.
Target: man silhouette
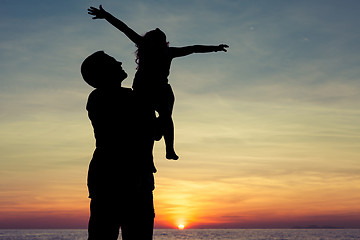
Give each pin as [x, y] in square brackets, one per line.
[120, 176]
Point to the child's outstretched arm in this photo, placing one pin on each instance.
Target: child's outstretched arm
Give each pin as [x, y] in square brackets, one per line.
[102, 14]
[184, 51]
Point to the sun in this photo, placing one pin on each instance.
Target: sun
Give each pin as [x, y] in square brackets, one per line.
[181, 226]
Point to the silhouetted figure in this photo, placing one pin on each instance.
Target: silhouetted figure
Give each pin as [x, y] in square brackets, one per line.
[154, 58]
[120, 177]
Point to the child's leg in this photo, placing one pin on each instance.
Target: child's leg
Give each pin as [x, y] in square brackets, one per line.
[164, 108]
[159, 132]
[169, 137]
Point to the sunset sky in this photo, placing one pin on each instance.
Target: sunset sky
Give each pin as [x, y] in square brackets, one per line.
[268, 133]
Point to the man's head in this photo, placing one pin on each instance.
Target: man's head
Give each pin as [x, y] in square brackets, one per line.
[100, 70]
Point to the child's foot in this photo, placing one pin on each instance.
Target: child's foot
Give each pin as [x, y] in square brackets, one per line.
[171, 155]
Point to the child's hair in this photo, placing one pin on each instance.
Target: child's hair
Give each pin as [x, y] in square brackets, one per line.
[154, 40]
[91, 69]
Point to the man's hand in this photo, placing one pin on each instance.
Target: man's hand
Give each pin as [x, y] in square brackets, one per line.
[98, 13]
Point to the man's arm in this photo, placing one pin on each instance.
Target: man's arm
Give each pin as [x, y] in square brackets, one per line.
[184, 51]
[102, 14]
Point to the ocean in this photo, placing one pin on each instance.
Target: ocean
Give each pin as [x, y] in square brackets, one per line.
[196, 234]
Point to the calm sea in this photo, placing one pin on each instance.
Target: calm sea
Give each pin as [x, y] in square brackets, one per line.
[198, 234]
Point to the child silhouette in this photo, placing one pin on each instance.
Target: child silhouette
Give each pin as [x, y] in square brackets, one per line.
[154, 58]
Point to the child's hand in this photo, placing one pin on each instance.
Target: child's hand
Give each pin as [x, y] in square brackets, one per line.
[222, 47]
[98, 13]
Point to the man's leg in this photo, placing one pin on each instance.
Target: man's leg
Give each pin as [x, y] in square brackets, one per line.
[138, 221]
[138, 229]
[103, 223]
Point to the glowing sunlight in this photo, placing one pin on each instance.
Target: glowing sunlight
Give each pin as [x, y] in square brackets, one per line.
[181, 227]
